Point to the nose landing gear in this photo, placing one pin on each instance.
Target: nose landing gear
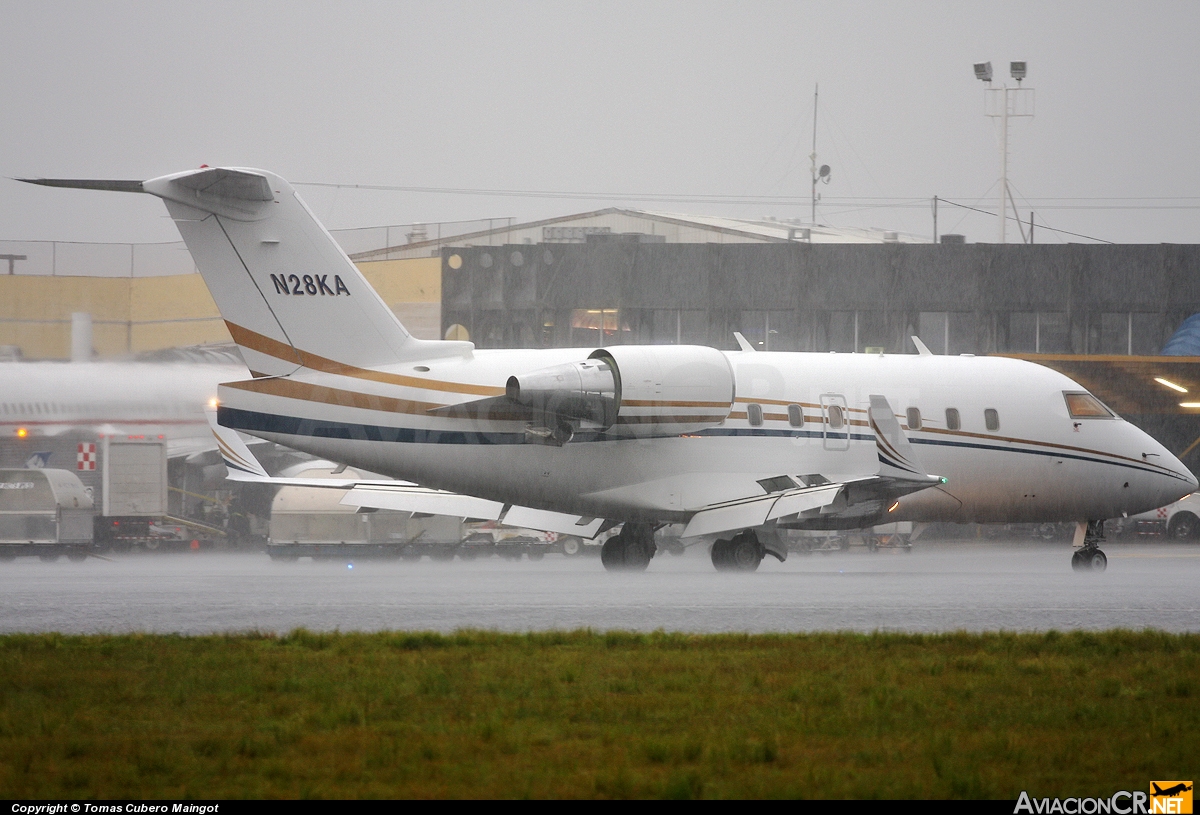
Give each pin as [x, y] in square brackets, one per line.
[1089, 558]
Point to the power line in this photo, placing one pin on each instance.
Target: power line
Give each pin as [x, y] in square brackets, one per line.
[878, 201]
[1011, 218]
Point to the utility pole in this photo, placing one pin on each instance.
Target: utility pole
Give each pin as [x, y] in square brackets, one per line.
[1003, 103]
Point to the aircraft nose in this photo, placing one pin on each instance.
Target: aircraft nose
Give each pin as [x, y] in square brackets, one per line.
[1193, 484]
[1176, 480]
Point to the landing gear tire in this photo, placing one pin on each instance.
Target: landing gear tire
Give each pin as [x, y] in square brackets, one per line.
[746, 552]
[742, 554]
[720, 555]
[1089, 558]
[630, 550]
[1077, 561]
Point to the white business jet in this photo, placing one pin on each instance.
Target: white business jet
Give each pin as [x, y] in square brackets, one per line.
[577, 440]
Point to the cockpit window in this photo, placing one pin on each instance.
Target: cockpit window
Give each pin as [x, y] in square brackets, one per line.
[1086, 406]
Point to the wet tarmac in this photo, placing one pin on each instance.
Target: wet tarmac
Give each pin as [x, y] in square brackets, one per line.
[941, 586]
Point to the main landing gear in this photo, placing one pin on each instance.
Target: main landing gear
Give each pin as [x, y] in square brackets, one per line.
[630, 550]
[1089, 558]
[741, 554]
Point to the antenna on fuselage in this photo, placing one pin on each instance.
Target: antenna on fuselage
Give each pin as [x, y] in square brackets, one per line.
[922, 349]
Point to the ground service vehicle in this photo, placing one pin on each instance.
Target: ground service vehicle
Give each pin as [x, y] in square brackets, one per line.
[46, 513]
[1179, 521]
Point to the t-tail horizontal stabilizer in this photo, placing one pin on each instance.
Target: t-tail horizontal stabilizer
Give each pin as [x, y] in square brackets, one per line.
[289, 295]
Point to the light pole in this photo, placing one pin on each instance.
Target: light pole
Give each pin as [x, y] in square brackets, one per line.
[1004, 103]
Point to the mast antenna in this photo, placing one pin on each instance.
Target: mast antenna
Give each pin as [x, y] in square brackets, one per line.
[818, 173]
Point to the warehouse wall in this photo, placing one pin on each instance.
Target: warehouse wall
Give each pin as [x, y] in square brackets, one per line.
[147, 313]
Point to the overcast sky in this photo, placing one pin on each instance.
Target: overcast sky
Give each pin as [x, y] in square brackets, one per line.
[676, 100]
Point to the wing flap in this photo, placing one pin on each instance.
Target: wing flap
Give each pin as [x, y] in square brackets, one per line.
[563, 523]
[410, 498]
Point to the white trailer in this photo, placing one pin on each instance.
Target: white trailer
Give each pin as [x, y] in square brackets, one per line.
[46, 513]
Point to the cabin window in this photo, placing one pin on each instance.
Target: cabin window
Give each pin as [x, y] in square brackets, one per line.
[836, 419]
[913, 417]
[1086, 406]
[795, 416]
[754, 414]
[991, 419]
[952, 420]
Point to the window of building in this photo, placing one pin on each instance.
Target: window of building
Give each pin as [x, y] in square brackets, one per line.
[952, 420]
[795, 416]
[836, 419]
[754, 414]
[991, 419]
[913, 417]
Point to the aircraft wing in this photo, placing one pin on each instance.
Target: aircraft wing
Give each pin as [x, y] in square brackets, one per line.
[402, 496]
[784, 499]
[815, 500]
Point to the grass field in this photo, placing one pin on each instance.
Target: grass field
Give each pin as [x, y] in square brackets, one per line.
[585, 714]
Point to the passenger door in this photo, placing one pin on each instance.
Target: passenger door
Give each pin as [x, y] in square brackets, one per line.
[835, 422]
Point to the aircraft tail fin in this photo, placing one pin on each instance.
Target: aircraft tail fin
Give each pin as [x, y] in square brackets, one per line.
[288, 293]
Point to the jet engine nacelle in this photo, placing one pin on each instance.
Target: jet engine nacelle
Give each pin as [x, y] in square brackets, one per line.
[631, 390]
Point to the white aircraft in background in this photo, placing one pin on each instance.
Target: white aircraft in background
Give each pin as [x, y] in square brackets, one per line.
[150, 399]
[578, 439]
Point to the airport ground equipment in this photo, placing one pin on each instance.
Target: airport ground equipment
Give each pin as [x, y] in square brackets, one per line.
[133, 497]
[46, 513]
[312, 522]
[1178, 521]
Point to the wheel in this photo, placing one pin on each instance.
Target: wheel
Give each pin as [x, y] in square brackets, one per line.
[77, 555]
[411, 555]
[49, 557]
[536, 554]
[468, 554]
[611, 555]
[1078, 561]
[1097, 561]
[572, 546]
[1046, 532]
[720, 555]
[287, 557]
[1183, 526]
[872, 543]
[5, 557]
[442, 556]
[629, 551]
[744, 553]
